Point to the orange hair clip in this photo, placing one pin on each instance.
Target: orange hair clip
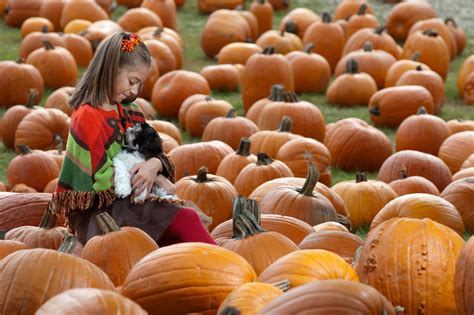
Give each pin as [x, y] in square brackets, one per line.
[128, 44]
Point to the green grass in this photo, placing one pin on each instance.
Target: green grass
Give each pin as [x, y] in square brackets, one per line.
[191, 24]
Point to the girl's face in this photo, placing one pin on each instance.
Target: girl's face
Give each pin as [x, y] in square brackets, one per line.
[128, 82]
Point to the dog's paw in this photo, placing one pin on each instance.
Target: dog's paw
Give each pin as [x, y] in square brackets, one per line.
[123, 191]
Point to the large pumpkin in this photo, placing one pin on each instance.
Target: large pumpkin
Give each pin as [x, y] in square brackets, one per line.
[464, 279]
[401, 66]
[443, 31]
[460, 194]
[186, 278]
[8, 247]
[232, 164]
[456, 149]
[424, 247]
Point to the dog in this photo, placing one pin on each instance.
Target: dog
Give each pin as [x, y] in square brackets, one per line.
[142, 142]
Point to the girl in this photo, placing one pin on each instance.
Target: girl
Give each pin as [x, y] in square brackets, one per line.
[104, 108]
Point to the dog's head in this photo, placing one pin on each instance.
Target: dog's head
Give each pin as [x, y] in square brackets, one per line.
[144, 139]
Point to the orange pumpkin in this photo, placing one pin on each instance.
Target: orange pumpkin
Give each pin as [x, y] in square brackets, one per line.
[7, 247]
[201, 113]
[347, 8]
[443, 31]
[412, 184]
[460, 194]
[208, 6]
[276, 94]
[166, 127]
[463, 173]
[284, 42]
[162, 54]
[35, 24]
[263, 11]
[232, 164]
[135, 19]
[302, 19]
[187, 103]
[361, 20]
[225, 77]
[60, 99]
[459, 125]
[463, 279]
[401, 66]
[459, 35]
[165, 9]
[456, 149]
[380, 40]
[237, 53]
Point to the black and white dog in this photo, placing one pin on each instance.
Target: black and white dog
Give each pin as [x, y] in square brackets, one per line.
[142, 142]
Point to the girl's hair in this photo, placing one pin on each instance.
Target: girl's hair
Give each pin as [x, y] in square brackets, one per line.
[97, 83]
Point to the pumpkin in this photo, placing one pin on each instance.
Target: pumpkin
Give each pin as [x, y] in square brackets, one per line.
[377, 36]
[302, 18]
[100, 249]
[237, 53]
[459, 34]
[424, 248]
[261, 72]
[211, 193]
[99, 30]
[209, 6]
[456, 149]
[304, 266]
[173, 88]
[341, 243]
[390, 106]
[22, 188]
[412, 184]
[165, 9]
[89, 301]
[463, 289]
[361, 20]
[150, 81]
[79, 47]
[232, 164]
[56, 65]
[16, 12]
[248, 235]
[430, 80]
[209, 154]
[433, 50]
[60, 99]
[403, 15]
[463, 173]
[229, 129]
[443, 31]
[276, 94]
[460, 194]
[29, 162]
[223, 27]
[223, 77]
[459, 125]
[35, 24]
[328, 38]
[263, 11]
[354, 144]
[21, 209]
[410, 133]
[251, 20]
[17, 79]
[82, 9]
[311, 72]
[167, 36]
[330, 297]
[45, 235]
[469, 90]
[51, 186]
[137, 3]
[283, 42]
[330, 226]
[162, 54]
[55, 272]
[51, 10]
[280, 4]
[374, 62]
[397, 69]
[166, 127]
[351, 88]
[297, 153]
[135, 19]
[42, 129]
[7, 247]
[419, 206]
[198, 281]
[251, 297]
[347, 8]
[201, 113]
[372, 196]
[76, 26]
[469, 162]
[187, 103]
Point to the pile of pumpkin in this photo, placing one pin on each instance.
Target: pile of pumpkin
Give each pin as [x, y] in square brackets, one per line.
[295, 228]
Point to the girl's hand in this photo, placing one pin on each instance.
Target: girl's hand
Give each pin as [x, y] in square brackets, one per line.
[143, 175]
[165, 183]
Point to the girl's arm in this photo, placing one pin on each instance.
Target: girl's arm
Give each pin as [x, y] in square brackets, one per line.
[144, 174]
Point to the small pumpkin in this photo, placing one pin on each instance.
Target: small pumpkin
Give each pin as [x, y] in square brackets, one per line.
[135, 19]
[412, 185]
[378, 37]
[223, 77]
[263, 11]
[361, 20]
[401, 66]
[237, 53]
[199, 115]
[60, 99]
[233, 164]
[459, 34]
[302, 19]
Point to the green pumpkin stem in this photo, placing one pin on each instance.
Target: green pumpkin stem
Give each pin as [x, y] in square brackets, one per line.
[290, 27]
[263, 159]
[361, 177]
[368, 46]
[24, 149]
[270, 50]
[244, 207]
[283, 285]
[311, 180]
[49, 219]
[352, 66]
[379, 30]
[68, 244]
[2, 234]
[202, 175]
[106, 223]
[326, 17]
[32, 94]
[285, 124]
[231, 113]
[362, 9]
[244, 147]
[421, 111]
[276, 92]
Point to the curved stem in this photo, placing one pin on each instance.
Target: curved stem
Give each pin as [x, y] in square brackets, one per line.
[421, 111]
[231, 113]
[24, 149]
[285, 124]
[244, 147]
[263, 159]
[202, 175]
[379, 30]
[68, 244]
[32, 94]
[362, 9]
[48, 220]
[311, 180]
[352, 66]
[309, 48]
[361, 177]
[106, 223]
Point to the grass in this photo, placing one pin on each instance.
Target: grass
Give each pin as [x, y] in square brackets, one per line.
[191, 24]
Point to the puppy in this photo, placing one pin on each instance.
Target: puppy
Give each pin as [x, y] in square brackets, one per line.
[142, 142]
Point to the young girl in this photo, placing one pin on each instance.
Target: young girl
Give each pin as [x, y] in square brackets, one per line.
[103, 112]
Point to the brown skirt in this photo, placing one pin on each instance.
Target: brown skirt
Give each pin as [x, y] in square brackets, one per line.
[151, 217]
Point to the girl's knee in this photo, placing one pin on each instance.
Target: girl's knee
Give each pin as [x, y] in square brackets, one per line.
[188, 214]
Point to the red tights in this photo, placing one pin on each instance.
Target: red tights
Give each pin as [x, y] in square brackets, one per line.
[186, 227]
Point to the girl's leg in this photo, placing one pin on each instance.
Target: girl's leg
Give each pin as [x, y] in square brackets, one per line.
[186, 227]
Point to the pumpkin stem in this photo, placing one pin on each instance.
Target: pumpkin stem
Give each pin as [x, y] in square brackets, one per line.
[368, 46]
[270, 50]
[68, 244]
[309, 48]
[47, 44]
[202, 175]
[263, 159]
[276, 92]
[451, 21]
[58, 141]
[326, 17]
[285, 124]
[24, 149]
[283, 285]
[311, 180]
[361, 177]
[32, 94]
[421, 111]
[379, 30]
[430, 32]
[244, 147]
[374, 111]
[106, 223]
[245, 208]
[208, 98]
[44, 29]
[419, 68]
[158, 31]
[352, 66]
[19, 60]
[231, 113]
[48, 220]
[344, 221]
[362, 9]
[290, 27]
[415, 56]
[403, 172]
[2, 234]
[231, 310]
